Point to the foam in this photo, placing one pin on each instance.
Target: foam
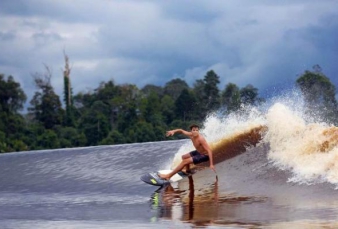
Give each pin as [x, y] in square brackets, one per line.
[218, 130]
[309, 150]
[298, 142]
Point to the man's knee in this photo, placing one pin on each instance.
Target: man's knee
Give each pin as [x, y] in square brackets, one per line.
[187, 161]
[185, 156]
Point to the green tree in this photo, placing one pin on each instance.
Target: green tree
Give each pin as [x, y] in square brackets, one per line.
[185, 105]
[199, 93]
[174, 87]
[12, 97]
[207, 94]
[319, 94]
[152, 112]
[108, 93]
[83, 100]
[12, 124]
[3, 144]
[249, 95]
[70, 137]
[231, 97]
[143, 132]
[168, 109]
[159, 132]
[46, 105]
[68, 94]
[114, 137]
[48, 140]
[15, 126]
[18, 145]
[31, 133]
[211, 90]
[125, 107]
[149, 88]
[94, 124]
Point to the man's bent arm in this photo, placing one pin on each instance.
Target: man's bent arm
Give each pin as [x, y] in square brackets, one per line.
[207, 148]
[211, 160]
[211, 157]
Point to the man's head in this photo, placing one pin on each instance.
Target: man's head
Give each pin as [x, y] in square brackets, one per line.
[194, 129]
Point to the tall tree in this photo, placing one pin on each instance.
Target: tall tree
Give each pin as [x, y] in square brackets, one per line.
[185, 108]
[94, 123]
[319, 94]
[68, 93]
[199, 94]
[211, 91]
[12, 97]
[46, 105]
[231, 98]
[149, 88]
[107, 93]
[168, 109]
[174, 87]
[249, 95]
[126, 106]
[152, 112]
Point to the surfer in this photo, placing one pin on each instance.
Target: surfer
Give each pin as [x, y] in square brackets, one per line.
[201, 154]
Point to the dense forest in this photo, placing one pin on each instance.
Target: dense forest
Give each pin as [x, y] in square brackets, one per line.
[117, 114]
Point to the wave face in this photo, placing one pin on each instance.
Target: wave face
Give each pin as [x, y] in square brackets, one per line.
[296, 142]
[309, 150]
[228, 136]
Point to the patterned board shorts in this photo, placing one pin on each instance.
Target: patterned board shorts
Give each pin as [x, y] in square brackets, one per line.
[198, 157]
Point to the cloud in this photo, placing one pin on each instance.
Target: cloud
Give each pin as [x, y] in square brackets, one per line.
[263, 43]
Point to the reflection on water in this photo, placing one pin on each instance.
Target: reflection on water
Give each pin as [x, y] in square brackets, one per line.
[200, 207]
[208, 206]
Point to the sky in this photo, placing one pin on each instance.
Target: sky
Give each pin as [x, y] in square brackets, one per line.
[264, 43]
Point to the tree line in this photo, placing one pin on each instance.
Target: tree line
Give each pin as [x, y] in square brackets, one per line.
[117, 114]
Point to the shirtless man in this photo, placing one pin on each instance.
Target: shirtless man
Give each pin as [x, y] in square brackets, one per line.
[201, 154]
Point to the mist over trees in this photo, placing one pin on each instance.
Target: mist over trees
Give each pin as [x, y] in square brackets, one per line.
[319, 95]
[117, 114]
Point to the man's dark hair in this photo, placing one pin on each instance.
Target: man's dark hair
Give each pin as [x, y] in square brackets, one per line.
[193, 125]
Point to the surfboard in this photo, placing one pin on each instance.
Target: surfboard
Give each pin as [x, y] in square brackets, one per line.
[153, 178]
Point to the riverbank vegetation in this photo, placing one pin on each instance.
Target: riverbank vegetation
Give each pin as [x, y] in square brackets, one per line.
[117, 114]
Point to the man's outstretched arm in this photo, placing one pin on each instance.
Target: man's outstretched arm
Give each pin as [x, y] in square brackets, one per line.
[172, 132]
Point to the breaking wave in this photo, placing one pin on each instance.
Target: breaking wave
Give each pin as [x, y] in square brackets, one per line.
[297, 142]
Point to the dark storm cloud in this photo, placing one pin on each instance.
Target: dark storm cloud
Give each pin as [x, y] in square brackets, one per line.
[6, 36]
[316, 44]
[263, 43]
[43, 38]
[66, 11]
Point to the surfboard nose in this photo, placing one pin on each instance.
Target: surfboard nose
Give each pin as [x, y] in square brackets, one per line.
[153, 179]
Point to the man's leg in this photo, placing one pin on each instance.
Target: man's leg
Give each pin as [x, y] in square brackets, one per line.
[185, 162]
[187, 167]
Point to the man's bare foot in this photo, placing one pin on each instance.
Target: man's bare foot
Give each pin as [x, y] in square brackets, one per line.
[164, 176]
[185, 170]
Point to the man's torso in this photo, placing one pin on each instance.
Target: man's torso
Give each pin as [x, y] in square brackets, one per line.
[197, 143]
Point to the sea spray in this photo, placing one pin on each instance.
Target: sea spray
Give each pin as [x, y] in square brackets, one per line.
[307, 149]
[298, 141]
[218, 130]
